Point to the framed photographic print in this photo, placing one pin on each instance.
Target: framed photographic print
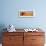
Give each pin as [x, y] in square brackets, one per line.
[27, 13]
